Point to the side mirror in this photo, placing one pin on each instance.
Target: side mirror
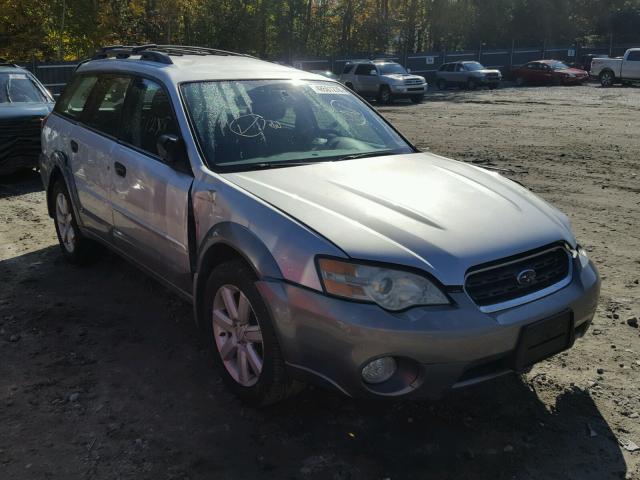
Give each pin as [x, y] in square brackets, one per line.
[373, 72]
[173, 152]
[408, 70]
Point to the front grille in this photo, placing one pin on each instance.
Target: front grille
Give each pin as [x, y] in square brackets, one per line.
[413, 81]
[20, 138]
[499, 283]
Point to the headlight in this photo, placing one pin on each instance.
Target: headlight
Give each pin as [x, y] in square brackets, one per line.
[390, 288]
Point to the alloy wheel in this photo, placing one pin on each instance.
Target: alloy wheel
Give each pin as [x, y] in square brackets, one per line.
[606, 80]
[64, 219]
[237, 335]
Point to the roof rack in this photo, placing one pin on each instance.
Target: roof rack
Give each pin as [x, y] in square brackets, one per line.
[6, 63]
[158, 53]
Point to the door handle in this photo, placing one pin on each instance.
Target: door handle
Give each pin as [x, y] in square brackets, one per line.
[74, 146]
[120, 169]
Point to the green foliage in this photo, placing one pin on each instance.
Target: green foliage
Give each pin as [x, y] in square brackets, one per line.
[69, 29]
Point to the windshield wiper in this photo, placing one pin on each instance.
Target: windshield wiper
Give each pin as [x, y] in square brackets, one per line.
[378, 153]
[263, 166]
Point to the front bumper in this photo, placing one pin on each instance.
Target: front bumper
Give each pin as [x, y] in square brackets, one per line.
[327, 340]
[574, 80]
[490, 80]
[406, 91]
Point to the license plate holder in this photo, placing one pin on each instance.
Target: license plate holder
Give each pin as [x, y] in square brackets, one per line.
[543, 339]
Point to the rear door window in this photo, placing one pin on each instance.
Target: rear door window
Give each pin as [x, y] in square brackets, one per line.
[107, 102]
[148, 115]
[364, 69]
[75, 96]
[634, 56]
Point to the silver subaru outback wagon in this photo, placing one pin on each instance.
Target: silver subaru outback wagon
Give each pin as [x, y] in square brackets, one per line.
[315, 242]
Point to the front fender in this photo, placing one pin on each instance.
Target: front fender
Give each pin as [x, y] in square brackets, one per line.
[222, 239]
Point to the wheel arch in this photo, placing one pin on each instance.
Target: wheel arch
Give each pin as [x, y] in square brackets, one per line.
[607, 70]
[226, 241]
[57, 165]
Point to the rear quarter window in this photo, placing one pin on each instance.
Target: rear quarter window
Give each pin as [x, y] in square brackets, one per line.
[75, 96]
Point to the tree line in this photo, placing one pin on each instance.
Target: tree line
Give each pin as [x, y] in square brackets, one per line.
[285, 29]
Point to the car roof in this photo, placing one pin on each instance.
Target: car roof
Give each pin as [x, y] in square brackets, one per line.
[10, 68]
[190, 68]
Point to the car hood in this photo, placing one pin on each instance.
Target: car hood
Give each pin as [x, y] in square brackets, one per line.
[575, 71]
[419, 210]
[24, 110]
[486, 71]
[401, 77]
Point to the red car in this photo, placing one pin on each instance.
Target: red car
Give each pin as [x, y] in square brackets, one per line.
[551, 72]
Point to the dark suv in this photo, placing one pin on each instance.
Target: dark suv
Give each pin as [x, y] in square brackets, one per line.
[24, 102]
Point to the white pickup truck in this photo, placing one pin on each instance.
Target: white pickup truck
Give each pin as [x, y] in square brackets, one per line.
[617, 70]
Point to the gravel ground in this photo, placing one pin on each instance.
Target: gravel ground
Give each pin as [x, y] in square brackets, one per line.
[102, 375]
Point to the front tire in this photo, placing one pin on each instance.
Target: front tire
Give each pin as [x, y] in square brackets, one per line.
[76, 247]
[241, 336]
[520, 81]
[385, 96]
[607, 78]
[416, 99]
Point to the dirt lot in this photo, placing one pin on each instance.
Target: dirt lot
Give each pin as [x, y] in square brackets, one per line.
[102, 376]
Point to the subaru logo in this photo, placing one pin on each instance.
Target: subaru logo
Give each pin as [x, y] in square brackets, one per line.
[526, 277]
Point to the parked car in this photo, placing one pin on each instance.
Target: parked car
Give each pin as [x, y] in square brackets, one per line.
[469, 75]
[383, 80]
[24, 102]
[617, 70]
[316, 243]
[326, 73]
[549, 72]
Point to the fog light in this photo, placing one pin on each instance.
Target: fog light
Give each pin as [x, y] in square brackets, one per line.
[379, 370]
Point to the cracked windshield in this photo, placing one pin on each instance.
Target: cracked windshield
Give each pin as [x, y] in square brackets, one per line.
[244, 125]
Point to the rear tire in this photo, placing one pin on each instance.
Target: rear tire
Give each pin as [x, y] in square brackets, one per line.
[607, 78]
[441, 84]
[472, 84]
[76, 247]
[240, 334]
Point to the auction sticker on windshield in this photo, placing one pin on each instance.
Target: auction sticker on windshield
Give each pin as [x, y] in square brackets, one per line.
[327, 89]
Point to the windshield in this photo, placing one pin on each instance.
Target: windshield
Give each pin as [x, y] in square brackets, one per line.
[473, 66]
[19, 88]
[387, 68]
[558, 66]
[264, 123]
